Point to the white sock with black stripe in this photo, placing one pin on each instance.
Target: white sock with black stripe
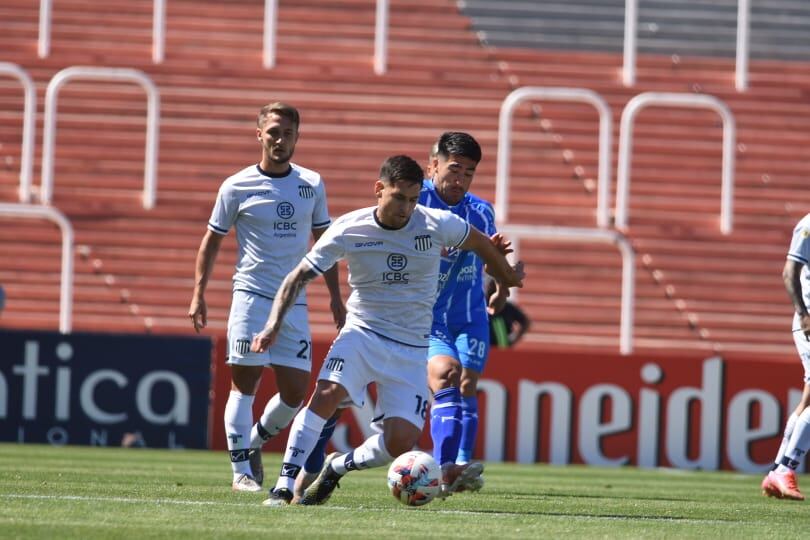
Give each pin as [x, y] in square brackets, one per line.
[238, 419]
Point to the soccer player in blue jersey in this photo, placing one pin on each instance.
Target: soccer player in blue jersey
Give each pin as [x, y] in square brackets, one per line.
[459, 341]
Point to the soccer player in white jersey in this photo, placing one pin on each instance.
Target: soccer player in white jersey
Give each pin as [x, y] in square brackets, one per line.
[781, 481]
[273, 206]
[393, 252]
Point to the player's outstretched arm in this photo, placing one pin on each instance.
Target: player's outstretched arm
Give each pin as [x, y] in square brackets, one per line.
[204, 265]
[791, 275]
[284, 300]
[497, 265]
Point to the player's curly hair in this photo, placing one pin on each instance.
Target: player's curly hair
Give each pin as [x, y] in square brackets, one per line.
[401, 168]
[282, 109]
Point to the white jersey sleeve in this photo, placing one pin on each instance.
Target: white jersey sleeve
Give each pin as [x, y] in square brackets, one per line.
[226, 209]
[800, 242]
[329, 248]
[800, 252]
[453, 230]
[320, 213]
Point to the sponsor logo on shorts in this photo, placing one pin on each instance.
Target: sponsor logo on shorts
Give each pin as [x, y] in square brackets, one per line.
[306, 192]
[334, 364]
[241, 346]
[422, 242]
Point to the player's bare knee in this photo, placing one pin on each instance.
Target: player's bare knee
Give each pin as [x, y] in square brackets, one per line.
[443, 372]
[293, 397]
[326, 398]
[398, 442]
[468, 387]
[245, 379]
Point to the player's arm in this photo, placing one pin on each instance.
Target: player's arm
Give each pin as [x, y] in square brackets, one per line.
[332, 278]
[496, 264]
[284, 300]
[791, 274]
[497, 300]
[204, 265]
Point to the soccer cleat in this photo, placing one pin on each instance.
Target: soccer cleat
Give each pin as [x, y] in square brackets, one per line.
[322, 487]
[278, 497]
[474, 484]
[256, 467]
[782, 486]
[246, 483]
[459, 477]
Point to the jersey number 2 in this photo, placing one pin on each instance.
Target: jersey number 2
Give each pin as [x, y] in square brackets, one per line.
[305, 346]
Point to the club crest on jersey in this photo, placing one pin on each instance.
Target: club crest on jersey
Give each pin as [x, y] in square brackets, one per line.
[396, 263]
[285, 210]
[422, 242]
[306, 192]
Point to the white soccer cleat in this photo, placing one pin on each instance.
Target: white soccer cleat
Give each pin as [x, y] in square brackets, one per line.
[246, 484]
[455, 476]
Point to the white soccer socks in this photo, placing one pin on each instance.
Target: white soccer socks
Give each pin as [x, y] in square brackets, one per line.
[238, 419]
[276, 416]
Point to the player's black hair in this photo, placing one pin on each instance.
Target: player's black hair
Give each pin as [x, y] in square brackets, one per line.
[282, 109]
[458, 143]
[401, 168]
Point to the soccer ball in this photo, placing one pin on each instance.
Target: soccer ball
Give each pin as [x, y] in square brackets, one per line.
[414, 478]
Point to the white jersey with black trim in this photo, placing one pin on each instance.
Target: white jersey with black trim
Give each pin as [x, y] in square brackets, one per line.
[392, 272]
[273, 217]
[800, 252]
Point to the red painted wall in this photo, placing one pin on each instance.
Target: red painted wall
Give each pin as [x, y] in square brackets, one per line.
[684, 410]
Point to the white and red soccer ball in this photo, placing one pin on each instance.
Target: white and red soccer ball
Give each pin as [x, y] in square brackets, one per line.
[414, 478]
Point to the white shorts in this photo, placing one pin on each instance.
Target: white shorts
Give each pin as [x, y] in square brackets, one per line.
[293, 346]
[359, 357]
[803, 347]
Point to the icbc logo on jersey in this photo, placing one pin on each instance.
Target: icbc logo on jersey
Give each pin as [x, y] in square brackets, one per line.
[397, 263]
[285, 211]
[103, 390]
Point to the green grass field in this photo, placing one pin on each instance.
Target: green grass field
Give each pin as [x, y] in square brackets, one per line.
[82, 492]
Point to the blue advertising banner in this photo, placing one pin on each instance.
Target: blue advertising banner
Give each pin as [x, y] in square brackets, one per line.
[104, 389]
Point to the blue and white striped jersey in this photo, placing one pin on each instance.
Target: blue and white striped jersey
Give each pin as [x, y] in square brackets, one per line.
[461, 296]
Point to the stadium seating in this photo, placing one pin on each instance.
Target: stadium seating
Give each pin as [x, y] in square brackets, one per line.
[696, 288]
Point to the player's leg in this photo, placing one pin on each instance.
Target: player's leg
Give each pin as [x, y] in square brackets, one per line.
[399, 371]
[291, 360]
[246, 370]
[473, 348]
[444, 380]
[337, 380]
[781, 482]
[316, 458]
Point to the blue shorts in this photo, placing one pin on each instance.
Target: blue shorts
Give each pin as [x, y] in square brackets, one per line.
[468, 343]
